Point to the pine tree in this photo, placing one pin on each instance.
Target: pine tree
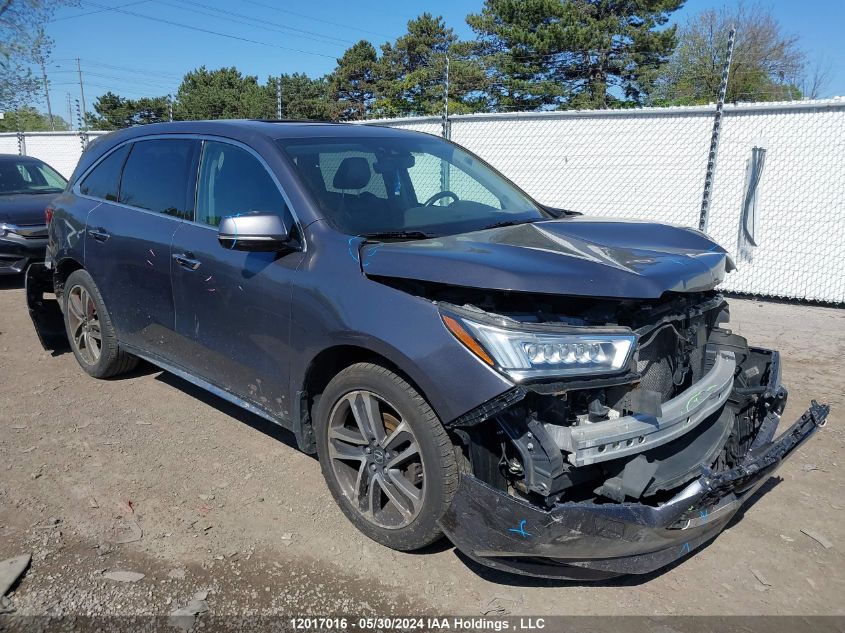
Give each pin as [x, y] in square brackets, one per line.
[353, 83]
[222, 94]
[573, 53]
[412, 71]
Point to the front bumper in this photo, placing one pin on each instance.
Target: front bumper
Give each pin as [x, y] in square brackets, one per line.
[17, 252]
[590, 541]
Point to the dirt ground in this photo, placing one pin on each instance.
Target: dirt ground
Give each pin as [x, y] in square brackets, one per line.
[213, 499]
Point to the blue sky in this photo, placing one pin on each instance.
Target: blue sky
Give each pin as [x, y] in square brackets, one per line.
[135, 56]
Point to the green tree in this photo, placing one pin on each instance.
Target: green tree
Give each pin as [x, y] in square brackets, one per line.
[23, 45]
[573, 53]
[30, 120]
[516, 43]
[222, 94]
[767, 65]
[353, 82]
[113, 112]
[303, 98]
[412, 71]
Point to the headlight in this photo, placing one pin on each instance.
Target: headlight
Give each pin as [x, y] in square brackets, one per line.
[525, 351]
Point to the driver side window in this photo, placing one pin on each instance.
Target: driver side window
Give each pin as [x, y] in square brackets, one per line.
[233, 182]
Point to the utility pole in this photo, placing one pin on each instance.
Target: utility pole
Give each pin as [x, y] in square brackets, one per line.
[279, 97]
[81, 92]
[47, 95]
[714, 138]
[69, 112]
[445, 123]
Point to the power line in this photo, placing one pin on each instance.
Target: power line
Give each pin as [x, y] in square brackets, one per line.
[81, 15]
[211, 32]
[91, 62]
[111, 88]
[309, 17]
[134, 80]
[262, 23]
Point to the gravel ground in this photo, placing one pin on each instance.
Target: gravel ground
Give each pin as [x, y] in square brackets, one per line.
[148, 474]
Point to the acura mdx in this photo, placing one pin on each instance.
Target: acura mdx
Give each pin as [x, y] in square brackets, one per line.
[559, 394]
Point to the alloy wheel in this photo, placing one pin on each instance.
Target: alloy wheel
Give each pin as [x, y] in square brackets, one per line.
[84, 324]
[376, 459]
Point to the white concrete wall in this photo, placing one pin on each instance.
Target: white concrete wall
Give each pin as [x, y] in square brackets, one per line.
[649, 164]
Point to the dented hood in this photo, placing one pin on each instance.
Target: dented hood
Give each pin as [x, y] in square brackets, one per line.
[596, 257]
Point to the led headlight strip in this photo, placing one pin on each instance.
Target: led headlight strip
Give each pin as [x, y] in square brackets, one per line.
[523, 351]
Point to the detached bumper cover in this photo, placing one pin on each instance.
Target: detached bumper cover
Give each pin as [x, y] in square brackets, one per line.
[589, 541]
[45, 312]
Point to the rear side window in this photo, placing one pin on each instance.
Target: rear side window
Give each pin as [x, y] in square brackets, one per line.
[158, 175]
[104, 179]
[233, 182]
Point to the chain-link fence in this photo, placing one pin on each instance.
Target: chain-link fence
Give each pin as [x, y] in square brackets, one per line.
[61, 150]
[778, 196]
[785, 227]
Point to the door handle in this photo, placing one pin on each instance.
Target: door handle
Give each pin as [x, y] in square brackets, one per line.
[99, 234]
[185, 260]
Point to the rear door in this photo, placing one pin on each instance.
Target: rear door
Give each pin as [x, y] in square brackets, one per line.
[127, 242]
[233, 307]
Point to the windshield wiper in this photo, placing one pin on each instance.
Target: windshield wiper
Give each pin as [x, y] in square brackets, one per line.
[397, 235]
[498, 225]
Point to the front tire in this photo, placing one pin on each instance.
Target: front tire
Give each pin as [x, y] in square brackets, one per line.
[90, 331]
[386, 458]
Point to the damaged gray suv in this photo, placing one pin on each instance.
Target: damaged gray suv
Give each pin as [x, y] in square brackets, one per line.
[559, 394]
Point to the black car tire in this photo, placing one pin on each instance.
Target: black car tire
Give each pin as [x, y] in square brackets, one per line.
[112, 360]
[438, 461]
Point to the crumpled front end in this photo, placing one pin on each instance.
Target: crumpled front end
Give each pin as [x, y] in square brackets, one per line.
[596, 477]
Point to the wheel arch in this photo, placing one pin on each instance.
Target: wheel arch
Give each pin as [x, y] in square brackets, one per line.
[63, 270]
[324, 366]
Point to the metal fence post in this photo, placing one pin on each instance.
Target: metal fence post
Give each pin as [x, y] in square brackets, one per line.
[20, 135]
[279, 97]
[83, 135]
[445, 124]
[714, 138]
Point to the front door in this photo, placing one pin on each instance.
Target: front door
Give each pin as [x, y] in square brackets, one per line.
[233, 307]
[127, 241]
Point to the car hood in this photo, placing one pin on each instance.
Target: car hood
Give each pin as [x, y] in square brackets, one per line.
[24, 208]
[597, 257]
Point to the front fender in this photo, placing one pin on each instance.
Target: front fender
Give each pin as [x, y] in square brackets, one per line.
[333, 303]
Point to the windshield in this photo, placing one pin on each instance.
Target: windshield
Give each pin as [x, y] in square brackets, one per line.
[405, 187]
[28, 176]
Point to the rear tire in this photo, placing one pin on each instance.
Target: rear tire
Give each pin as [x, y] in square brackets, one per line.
[90, 331]
[386, 458]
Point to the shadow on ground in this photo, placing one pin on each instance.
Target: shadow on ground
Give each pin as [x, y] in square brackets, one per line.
[11, 282]
[274, 431]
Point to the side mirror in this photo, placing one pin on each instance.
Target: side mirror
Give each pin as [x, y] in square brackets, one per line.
[254, 232]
